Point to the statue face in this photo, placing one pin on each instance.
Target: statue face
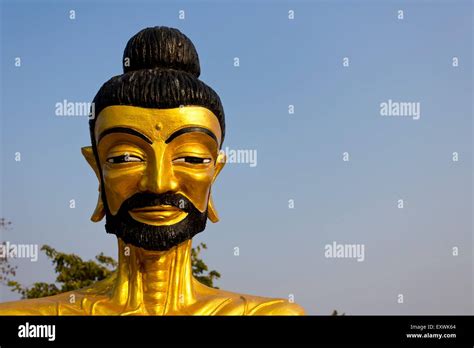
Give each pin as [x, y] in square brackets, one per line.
[157, 167]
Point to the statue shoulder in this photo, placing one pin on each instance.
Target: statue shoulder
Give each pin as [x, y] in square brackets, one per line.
[257, 305]
[229, 303]
[277, 307]
[77, 302]
[37, 306]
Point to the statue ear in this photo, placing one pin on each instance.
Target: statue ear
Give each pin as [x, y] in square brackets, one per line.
[211, 210]
[88, 154]
[99, 211]
[220, 163]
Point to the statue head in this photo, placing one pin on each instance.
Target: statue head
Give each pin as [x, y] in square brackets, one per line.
[156, 137]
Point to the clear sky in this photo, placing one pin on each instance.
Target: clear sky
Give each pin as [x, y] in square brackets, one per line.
[408, 251]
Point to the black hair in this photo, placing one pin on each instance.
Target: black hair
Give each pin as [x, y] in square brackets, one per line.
[161, 69]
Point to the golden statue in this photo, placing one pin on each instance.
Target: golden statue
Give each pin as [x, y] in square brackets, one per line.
[155, 150]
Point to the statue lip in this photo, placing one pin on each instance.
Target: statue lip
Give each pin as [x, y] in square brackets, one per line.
[158, 215]
[156, 208]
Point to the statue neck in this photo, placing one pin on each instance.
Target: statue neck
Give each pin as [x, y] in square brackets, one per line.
[154, 281]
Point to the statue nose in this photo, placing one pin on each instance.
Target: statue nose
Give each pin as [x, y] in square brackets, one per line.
[159, 177]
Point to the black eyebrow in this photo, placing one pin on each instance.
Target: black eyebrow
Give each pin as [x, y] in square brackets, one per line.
[124, 130]
[191, 129]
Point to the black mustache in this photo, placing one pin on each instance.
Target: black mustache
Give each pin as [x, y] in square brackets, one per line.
[145, 199]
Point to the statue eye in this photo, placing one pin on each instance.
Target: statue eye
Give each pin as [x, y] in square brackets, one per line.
[124, 159]
[192, 160]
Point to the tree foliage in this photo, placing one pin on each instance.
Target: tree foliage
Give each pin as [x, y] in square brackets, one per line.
[6, 268]
[73, 273]
[200, 268]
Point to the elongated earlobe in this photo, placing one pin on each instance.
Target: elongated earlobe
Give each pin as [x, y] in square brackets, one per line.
[99, 211]
[211, 211]
[88, 154]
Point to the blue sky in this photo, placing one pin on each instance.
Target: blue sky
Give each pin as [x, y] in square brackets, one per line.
[407, 251]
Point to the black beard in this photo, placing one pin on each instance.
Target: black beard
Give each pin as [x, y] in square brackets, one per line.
[157, 238]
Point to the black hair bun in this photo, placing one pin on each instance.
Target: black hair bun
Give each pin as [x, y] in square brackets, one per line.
[161, 47]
